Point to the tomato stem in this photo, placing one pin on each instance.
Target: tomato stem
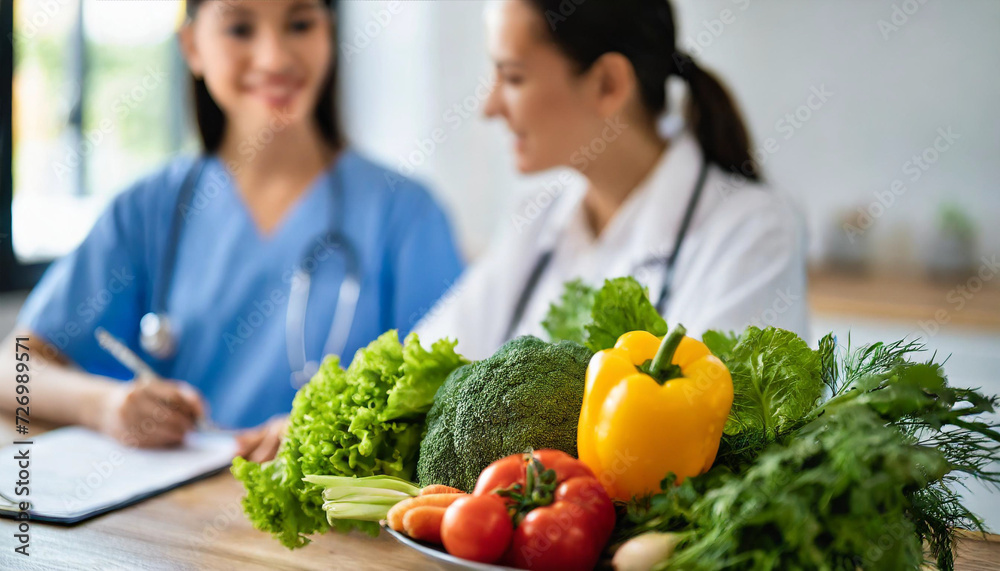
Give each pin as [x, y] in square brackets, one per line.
[538, 489]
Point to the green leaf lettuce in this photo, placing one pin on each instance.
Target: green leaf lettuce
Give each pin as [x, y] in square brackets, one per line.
[363, 421]
[597, 318]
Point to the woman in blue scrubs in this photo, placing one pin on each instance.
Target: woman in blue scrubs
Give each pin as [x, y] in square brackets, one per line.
[217, 244]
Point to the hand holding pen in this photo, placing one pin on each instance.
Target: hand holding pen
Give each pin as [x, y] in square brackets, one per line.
[148, 411]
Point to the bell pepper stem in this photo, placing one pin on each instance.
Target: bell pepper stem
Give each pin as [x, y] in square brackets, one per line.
[661, 365]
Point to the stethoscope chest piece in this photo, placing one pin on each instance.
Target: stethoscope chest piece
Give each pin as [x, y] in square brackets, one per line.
[304, 375]
[158, 338]
[155, 335]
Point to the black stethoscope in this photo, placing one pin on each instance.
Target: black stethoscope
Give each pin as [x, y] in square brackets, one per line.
[668, 262]
[156, 335]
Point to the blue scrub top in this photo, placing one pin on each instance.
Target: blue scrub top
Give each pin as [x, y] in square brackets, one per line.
[228, 295]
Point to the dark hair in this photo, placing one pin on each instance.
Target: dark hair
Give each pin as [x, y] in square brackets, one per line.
[212, 121]
[643, 31]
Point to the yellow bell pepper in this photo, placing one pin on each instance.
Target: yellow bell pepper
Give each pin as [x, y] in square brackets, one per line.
[651, 407]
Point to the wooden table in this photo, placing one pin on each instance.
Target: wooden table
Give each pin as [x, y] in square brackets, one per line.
[966, 302]
[198, 526]
[201, 526]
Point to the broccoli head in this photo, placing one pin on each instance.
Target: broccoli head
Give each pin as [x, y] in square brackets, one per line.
[528, 394]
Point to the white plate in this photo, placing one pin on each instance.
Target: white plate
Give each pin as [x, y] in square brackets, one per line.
[438, 552]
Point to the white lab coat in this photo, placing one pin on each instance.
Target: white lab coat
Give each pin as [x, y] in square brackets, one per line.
[742, 262]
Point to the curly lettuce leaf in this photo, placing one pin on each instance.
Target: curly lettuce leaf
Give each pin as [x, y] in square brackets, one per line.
[777, 381]
[270, 503]
[567, 320]
[336, 427]
[721, 344]
[620, 306]
[596, 318]
[421, 373]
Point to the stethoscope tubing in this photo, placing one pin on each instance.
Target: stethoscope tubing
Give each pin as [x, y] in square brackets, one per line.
[545, 259]
[298, 299]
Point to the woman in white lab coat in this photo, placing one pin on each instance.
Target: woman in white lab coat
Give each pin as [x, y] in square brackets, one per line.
[689, 217]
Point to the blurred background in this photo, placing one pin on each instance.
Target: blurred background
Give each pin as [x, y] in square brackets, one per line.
[878, 117]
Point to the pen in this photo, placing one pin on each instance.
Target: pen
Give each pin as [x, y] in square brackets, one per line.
[142, 371]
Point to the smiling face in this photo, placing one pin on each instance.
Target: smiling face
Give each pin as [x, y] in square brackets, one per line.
[551, 108]
[261, 59]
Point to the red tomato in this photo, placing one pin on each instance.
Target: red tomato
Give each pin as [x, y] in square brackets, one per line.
[509, 470]
[571, 531]
[555, 537]
[566, 466]
[477, 528]
[500, 474]
[590, 496]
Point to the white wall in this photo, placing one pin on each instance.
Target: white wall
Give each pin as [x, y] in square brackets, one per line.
[888, 99]
[891, 91]
[415, 70]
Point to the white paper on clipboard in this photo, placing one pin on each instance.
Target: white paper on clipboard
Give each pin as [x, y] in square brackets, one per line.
[76, 473]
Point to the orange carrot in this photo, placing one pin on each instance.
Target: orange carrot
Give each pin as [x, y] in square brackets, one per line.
[396, 512]
[424, 523]
[438, 489]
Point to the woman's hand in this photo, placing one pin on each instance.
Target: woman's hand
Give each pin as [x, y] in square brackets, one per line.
[150, 413]
[260, 444]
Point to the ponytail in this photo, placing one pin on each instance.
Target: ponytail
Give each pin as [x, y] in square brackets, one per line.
[644, 32]
[716, 121]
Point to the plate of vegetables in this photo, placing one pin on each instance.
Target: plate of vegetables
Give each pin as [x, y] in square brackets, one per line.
[412, 515]
[438, 552]
[538, 510]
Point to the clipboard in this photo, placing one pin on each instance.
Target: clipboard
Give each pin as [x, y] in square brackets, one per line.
[75, 474]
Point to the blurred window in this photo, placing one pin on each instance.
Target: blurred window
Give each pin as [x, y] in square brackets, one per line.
[99, 99]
